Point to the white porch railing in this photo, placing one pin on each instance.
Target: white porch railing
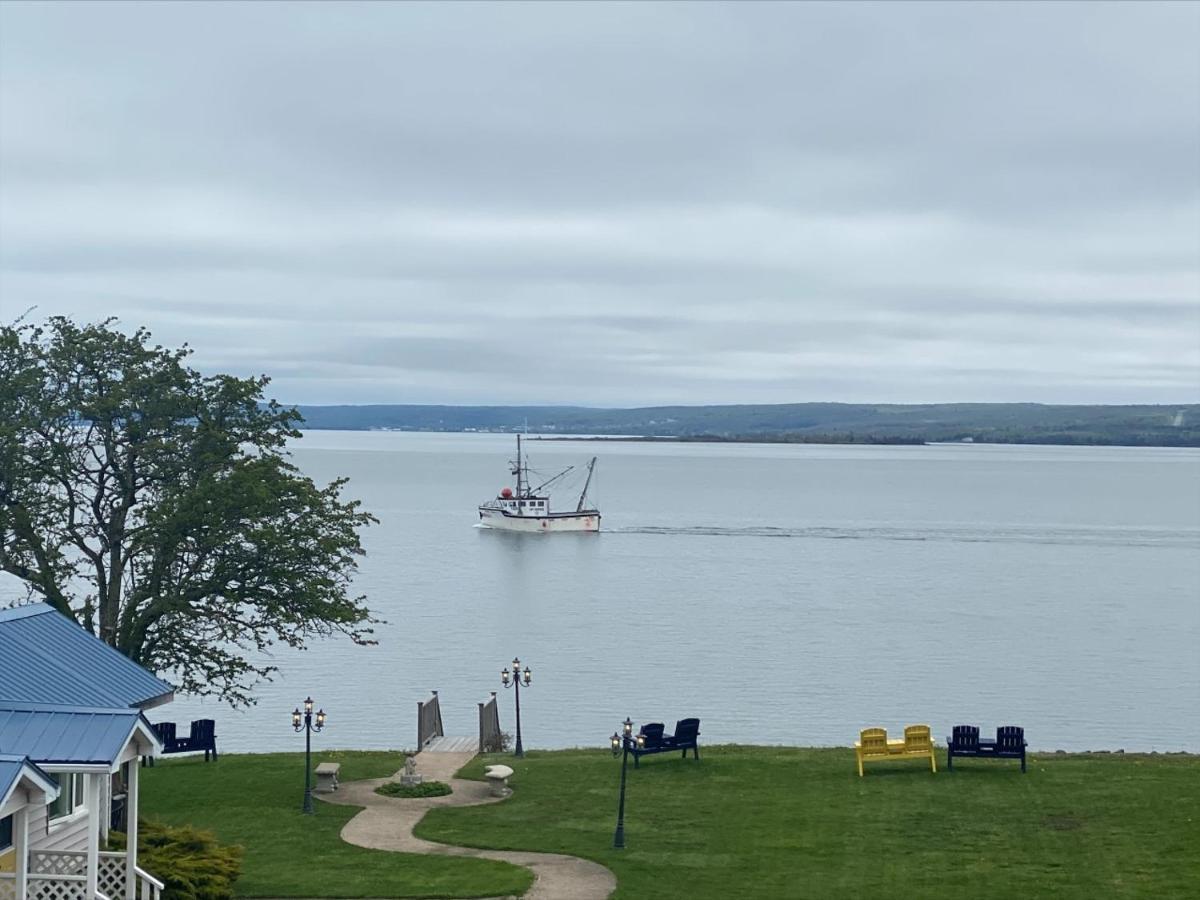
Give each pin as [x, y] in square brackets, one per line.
[45, 887]
[62, 875]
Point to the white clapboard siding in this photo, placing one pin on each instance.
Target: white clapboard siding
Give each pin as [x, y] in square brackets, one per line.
[65, 834]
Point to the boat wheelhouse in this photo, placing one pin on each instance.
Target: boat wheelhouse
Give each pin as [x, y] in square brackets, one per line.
[528, 509]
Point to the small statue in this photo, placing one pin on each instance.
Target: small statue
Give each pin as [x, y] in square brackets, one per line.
[410, 775]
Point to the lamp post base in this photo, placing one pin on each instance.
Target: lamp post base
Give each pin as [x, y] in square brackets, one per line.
[619, 837]
[308, 804]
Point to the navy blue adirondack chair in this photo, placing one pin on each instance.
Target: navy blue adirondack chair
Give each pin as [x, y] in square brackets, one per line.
[684, 738]
[1010, 743]
[651, 739]
[651, 735]
[203, 736]
[166, 736]
[965, 742]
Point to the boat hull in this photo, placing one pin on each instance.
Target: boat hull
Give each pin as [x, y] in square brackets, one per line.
[588, 520]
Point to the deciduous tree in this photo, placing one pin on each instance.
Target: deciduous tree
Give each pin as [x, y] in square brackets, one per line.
[159, 507]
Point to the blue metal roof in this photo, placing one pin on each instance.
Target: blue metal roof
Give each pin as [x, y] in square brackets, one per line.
[13, 768]
[46, 657]
[66, 734]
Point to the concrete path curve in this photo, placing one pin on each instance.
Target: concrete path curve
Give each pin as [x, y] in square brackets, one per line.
[386, 823]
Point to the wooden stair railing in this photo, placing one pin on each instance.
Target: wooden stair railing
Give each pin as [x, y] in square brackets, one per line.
[490, 740]
[429, 721]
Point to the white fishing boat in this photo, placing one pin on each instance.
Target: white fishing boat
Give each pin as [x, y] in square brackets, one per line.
[528, 508]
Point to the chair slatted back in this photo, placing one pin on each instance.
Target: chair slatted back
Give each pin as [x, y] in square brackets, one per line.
[917, 737]
[1010, 738]
[687, 730]
[652, 733]
[873, 740]
[966, 737]
[203, 729]
[165, 732]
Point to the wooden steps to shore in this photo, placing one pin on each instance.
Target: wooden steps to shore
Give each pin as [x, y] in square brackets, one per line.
[443, 744]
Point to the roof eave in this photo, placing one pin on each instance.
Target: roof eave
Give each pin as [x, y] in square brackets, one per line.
[37, 776]
[160, 700]
[91, 767]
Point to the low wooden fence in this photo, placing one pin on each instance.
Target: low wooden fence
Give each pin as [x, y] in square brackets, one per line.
[429, 721]
[490, 740]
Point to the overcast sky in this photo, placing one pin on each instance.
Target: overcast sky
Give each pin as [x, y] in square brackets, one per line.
[618, 204]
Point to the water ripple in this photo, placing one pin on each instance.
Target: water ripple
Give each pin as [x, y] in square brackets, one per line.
[1114, 537]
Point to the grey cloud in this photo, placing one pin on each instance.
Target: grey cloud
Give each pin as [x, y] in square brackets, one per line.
[675, 202]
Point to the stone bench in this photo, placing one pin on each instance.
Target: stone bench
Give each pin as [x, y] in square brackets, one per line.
[327, 777]
[497, 778]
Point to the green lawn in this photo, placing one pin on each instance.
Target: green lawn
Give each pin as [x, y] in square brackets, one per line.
[254, 801]
[767, 822]
[792, 823]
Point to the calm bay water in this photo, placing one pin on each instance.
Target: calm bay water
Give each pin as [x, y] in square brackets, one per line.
[783, 594]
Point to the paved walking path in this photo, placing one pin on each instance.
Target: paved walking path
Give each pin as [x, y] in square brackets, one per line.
[386, 823]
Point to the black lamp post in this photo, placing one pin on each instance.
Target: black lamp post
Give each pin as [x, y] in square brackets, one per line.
[308, 726]
[621, 745]
[518, 680]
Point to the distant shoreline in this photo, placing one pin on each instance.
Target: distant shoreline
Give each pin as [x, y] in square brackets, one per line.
[796, 423]
[816, 439]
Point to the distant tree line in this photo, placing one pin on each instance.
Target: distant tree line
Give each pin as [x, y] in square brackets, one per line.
[1008, 423]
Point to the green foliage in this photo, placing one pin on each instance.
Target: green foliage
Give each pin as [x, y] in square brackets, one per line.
[254, 800]
[424, 789]
[783, 823]
[189, 862]
[158, 506]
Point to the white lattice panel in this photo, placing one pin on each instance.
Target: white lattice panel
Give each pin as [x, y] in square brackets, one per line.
[8, 887]
[57, 862]
[59, 875]
[56, 889]
[111, 878]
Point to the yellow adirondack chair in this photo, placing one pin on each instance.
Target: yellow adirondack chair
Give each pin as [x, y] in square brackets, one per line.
[873, 744]
[919, 742]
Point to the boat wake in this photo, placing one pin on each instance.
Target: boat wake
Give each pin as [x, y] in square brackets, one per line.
[1123, 537]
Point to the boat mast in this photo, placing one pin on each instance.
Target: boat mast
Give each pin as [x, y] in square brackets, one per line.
[583, 494]
[519, 494]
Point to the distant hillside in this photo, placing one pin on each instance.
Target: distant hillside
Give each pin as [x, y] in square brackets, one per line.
[1013, 423]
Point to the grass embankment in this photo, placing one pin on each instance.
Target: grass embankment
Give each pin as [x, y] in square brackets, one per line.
[792, 823]
[254, 801]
